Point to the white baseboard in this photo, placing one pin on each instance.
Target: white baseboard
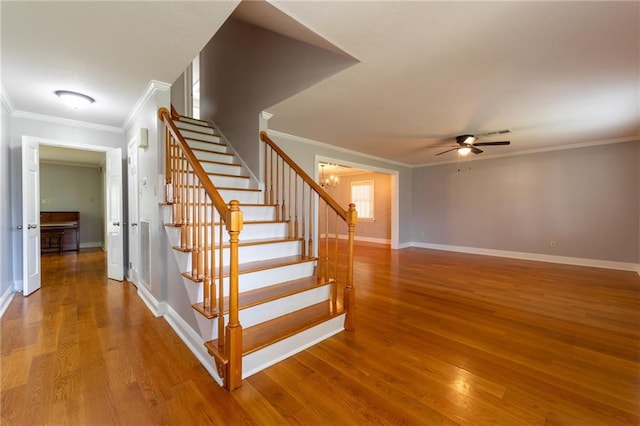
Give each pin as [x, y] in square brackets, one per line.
[158, 309]
[5, 299]
[18, 286]
[405, 245]
[595, 263]
[357, 238]
[91, 244]
[193, 341]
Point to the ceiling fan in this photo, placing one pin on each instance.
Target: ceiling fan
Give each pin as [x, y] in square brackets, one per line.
[467, 143]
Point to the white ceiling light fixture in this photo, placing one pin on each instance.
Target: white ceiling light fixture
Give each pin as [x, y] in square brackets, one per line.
[74, 100]
[464, 151]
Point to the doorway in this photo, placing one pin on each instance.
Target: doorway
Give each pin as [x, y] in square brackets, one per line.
[31, 207]
[390, 193]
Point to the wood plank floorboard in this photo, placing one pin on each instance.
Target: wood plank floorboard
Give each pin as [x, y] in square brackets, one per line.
[441, 339]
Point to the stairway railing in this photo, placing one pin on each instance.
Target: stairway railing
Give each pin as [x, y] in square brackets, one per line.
[201, 213]
[298, 199]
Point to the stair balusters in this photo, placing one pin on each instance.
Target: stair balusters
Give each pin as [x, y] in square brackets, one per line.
[196, 203]
[282, 178]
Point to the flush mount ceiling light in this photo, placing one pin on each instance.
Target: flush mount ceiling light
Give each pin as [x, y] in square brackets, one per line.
[73, 99]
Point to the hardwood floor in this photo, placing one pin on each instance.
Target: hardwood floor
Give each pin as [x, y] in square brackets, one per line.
[441, 339]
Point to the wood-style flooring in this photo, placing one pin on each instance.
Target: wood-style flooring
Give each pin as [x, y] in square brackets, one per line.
[441, 339]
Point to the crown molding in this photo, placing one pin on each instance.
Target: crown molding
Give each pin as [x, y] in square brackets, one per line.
[266, 115]
[336, 148]
[6, 100]
[66, 121]
[153, 87]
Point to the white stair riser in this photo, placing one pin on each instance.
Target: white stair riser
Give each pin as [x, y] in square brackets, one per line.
[244, 197]
[257, 252]
[259, 360]
[183, 125]
[207, 146]
[214, 156]
[230, 181]
[251, 213]
[188, 134]
[185, 119]
[226, 169]
[250, 231]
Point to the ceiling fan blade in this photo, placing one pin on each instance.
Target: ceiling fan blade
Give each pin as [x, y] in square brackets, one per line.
[492, 143]
[475, 150]
[449, 150]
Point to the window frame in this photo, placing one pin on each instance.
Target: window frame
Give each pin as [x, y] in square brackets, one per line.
[365, 183]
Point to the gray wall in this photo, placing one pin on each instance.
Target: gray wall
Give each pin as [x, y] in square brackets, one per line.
[587, 200]
[6, 267]
[245, 69]
[380, 228]
[72, 188]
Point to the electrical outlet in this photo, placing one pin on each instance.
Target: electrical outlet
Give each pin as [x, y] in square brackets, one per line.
[47, 201]
[553, 244]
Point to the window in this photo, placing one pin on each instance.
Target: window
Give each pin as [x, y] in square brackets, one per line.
[362, 197]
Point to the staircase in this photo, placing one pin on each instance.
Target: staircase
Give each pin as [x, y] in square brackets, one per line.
[260, 281]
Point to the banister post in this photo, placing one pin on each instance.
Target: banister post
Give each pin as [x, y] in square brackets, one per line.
[349, 290]
[233, 335]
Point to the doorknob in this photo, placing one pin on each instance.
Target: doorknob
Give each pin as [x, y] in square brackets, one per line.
[20, 227]
[32, 226]
[116, 223]
[134, 224]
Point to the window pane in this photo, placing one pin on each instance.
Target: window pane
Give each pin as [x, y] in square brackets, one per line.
[362, 197]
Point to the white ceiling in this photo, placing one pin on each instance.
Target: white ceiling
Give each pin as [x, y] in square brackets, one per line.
[107, 50]
[555, 73]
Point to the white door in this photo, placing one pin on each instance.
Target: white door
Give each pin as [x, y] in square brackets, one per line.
[134, 236]
[115, 258]
[30, 216]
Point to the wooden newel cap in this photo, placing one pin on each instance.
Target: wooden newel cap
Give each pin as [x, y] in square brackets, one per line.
[352, 214]
[161, 112]
[234, 217]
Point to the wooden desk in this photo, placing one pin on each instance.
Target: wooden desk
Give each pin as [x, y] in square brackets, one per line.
[59, 231]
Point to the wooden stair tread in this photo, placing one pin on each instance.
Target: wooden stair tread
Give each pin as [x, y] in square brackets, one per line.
[222, 174]
[259, 265]
[272, 331]
[188, 138]
[189, 120]
[213, 152]
[262, 295]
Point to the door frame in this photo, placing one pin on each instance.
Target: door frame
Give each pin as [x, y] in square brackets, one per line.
[70, 145]
[394, 198]
[133, 215]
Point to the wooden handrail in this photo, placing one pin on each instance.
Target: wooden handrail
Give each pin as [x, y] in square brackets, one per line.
[312, 183]
[211, 190]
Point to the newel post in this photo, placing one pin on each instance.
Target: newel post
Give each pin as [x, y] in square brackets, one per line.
[349, 290]
[233, 335]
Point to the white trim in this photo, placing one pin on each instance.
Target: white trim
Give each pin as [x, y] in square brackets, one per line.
[404, 245]
[364, 239]
[6, 100]
[91, 244]
[193, 341]
[336, 148]
[17, 286]
[151, 89]
[538, 150]
[266, 115]
[66, 121]
[6, 299]
[158, 309]
[594, 263]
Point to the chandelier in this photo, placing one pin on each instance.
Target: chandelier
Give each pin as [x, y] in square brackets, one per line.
[327, 182]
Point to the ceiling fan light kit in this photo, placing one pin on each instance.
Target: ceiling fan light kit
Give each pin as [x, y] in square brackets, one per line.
[468, 143]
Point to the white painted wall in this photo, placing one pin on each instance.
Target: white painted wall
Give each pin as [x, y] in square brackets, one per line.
[587, 200]
[6, 252]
